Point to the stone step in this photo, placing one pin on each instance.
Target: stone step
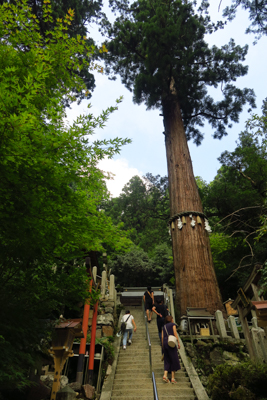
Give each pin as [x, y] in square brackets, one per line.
[180, 378]
[132, 385]
[139, 334]
[159, 370]
[133, 371]
[134, 359]
[170, 388]
[136, 363]
[137, 392]
[125, 380]
[173, 390]
[144, 384]
[137, 345]
[164, 396]
[180, 384]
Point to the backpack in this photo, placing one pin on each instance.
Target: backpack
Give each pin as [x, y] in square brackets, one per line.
[123, 325]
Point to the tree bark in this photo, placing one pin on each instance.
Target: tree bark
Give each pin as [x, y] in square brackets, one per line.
[196, 282]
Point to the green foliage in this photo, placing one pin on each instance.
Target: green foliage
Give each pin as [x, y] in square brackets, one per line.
[107, 342]
[85, 12]
[138, 268]
[50, 187]
[143, 210]
[162, 259]
[235, 202]
[247, 380]
[257, 14]
[158, 48]
[132, 268]
[227, 252]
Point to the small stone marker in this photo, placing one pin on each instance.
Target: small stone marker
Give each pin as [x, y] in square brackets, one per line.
[233, 327]
[66, 394]
[220, 324]
[112, 288]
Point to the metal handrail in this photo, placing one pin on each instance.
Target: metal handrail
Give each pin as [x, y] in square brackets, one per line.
[155, 392]
[154, 387]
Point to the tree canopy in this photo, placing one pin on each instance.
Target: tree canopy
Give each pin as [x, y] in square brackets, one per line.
[159, 50]
[257, 14]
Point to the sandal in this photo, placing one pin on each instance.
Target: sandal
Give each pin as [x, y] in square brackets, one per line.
[166, 380]
[173, 381]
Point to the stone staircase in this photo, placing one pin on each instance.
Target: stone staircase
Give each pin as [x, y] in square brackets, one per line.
[132, 378]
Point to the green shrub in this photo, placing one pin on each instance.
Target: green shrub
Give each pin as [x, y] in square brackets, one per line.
[107, 342]
[246, 381]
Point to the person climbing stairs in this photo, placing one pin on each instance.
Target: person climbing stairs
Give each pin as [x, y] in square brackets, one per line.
[132, 378]
[133, 374]
[183, 389]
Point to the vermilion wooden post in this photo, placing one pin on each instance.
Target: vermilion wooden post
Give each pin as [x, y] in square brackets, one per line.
[79, 374]
[92, 346]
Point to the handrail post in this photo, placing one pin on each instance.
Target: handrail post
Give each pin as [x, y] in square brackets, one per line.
[150, 359]
[150, 354]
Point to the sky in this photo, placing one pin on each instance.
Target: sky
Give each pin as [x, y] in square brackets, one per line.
[147, 153]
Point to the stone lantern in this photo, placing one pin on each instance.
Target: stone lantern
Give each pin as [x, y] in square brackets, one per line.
[61, 349]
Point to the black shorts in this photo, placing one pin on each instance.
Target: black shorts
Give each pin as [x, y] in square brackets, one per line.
[148, 305]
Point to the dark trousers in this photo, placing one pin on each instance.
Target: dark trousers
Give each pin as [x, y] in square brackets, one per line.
[160, 323]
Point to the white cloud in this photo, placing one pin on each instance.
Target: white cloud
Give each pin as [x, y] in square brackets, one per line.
[121, 172]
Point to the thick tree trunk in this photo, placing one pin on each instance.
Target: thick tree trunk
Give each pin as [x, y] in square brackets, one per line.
[196, 283]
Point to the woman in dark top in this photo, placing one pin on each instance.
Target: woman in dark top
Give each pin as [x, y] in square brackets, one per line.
[171, 360]
[162, 311]
[149, 302]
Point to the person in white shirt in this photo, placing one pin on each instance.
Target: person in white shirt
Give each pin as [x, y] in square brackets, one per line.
[130, 326]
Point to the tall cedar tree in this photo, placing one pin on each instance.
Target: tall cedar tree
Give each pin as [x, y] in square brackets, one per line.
[159, 50]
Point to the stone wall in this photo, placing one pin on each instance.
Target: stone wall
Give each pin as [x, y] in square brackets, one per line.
[207, 354]
[106, 319]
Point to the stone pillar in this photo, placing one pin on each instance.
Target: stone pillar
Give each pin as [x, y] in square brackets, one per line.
[254, 321]
[247, 333]
[103, 284]
[111, 288]
[263, 343]
[233, 327]
[115, 300]
[220, 324]
[257, 345]
[94, 272]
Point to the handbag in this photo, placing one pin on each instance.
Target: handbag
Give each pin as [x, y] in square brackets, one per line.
[172, 341]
